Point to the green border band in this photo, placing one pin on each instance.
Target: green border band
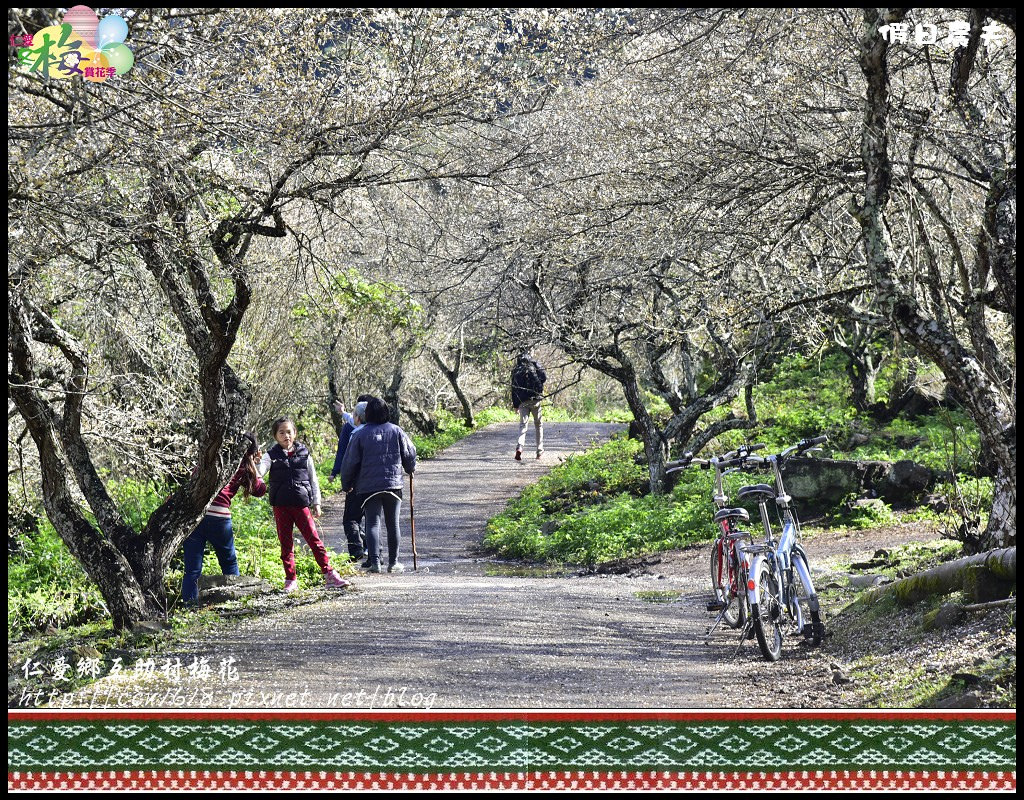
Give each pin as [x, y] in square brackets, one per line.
[428, 747]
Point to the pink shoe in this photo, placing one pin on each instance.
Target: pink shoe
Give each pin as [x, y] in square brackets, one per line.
[291, 586]
[335, 581]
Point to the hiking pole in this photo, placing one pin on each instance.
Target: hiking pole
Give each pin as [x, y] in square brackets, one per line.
[412, 520]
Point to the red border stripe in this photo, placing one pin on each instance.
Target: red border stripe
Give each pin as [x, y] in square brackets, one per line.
[75, 715]
[265, 779]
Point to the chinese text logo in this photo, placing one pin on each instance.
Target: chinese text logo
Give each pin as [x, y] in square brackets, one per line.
[82, 46]
[926, 33]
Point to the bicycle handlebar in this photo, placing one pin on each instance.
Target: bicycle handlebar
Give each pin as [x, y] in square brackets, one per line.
[732, 458]
[740, 457]
[806, 444]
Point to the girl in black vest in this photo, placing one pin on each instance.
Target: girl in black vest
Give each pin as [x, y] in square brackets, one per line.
[293, 490]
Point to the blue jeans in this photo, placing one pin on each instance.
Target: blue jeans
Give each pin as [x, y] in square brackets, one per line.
[377, 508]
[217, 531]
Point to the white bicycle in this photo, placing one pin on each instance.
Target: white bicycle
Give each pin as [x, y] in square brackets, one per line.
[779, 585]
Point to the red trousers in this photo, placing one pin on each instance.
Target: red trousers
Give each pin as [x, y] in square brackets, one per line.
[287, 516]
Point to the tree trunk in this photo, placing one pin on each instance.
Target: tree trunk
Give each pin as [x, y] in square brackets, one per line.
[995, 566]
[862, 373]
[393, 392]
[655, 445]
[453, 374]
[978, 375]
[421, 418]
[1001, 529]
[128, 566]
[334, 385]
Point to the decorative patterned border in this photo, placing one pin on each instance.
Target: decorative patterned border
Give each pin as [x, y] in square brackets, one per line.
[80, 750]
[577, 781]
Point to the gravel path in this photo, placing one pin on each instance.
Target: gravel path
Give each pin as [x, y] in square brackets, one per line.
[465, 632]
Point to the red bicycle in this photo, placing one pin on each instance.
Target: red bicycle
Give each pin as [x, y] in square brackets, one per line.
[728, 562]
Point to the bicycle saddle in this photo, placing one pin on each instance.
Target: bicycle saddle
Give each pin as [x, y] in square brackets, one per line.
[727, 513]
[756, 492]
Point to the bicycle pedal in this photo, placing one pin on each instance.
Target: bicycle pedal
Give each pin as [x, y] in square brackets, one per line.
[716, 605]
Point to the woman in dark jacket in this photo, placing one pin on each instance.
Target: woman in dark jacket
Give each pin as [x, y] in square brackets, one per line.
[374, 461]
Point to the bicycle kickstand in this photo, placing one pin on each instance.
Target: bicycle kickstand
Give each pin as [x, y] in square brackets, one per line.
[715, 624]
[744, 632]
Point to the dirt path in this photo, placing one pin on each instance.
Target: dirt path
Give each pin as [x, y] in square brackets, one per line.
[460, 634]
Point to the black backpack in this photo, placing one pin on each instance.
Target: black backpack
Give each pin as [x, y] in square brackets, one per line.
[526, 383]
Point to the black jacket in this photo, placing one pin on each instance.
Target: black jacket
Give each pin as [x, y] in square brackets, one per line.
[290, 481]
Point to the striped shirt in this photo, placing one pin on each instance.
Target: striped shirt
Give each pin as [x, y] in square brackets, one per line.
[220, 506]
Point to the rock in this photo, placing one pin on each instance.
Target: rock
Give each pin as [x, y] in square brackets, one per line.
[86, 651]
[233, 587]
[856, 440]
[946, 616]
[150, 627]
[907, 482]
[871, 503]
[819, 484]
[968, 678]
[840, 678]
[866, 581]
[968, 700]
[126, 656]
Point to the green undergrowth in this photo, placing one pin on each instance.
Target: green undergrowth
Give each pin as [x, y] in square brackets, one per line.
[48, 590]
[594, 508]
[805, 396]
[583, 513]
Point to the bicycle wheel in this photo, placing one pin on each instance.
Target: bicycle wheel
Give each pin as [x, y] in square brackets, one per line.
[725, 583]
[814, 630]
[767, 612]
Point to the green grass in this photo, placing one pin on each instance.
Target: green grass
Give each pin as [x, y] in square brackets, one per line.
[655, 596]
[46, 586]
[592, 508]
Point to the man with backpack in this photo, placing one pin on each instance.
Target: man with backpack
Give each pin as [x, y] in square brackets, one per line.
[527, 393]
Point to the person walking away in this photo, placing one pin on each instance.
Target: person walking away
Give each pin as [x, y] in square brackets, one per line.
[352, 519]
[528, 379]
[376, 456]
[293, 489]
[215, 526]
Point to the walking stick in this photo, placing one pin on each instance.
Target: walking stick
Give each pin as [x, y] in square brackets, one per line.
[412, 521]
